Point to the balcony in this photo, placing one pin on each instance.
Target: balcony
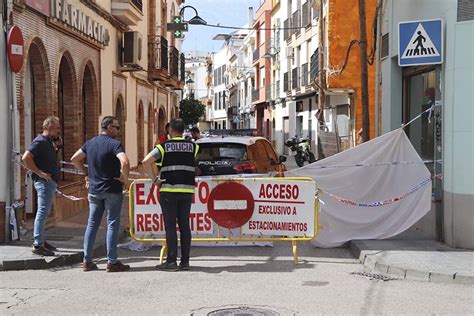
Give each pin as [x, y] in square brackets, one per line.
[304, 75]
[157, 58]
[129, 12]
[256, 54]
[268, 92]
[255, 95]
[174, 69]
[295, 79]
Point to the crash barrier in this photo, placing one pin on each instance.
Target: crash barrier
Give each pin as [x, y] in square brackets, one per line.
[233, 210]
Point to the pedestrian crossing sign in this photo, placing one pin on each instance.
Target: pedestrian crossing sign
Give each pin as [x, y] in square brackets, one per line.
[420, 42]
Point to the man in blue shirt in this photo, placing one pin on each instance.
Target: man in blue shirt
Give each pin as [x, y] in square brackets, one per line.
[41, 159]
[107, 174]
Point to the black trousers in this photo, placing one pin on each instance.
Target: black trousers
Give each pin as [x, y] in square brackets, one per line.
[177, 206]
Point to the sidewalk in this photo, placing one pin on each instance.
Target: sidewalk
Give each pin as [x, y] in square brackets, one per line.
[67, 236]
[412, 256]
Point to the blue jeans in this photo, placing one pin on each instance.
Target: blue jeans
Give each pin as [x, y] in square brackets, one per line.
[98, 203]
[45, 191]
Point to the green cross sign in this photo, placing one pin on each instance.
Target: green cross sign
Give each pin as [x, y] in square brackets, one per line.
[177, 26]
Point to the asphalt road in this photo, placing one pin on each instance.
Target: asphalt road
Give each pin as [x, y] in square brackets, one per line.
[229, 277]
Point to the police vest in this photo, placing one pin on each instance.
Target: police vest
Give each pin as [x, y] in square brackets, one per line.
[178, 165]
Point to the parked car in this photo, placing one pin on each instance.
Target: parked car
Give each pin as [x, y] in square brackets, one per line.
[230, 155]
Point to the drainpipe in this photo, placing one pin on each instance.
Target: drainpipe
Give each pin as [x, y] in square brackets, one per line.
[377, 67]
[8, 132]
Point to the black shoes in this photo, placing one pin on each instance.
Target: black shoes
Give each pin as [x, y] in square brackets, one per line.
[42, 251]
[172, 266]
[184, 266]
[49, 246]
[167, 266]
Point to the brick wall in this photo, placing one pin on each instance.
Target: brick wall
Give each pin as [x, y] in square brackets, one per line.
[51, 53]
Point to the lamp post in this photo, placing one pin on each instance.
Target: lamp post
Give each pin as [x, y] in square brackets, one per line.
[269, 53]
[196, 20]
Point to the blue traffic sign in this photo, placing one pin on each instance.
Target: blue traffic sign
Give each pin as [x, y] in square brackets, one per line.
[420, 42]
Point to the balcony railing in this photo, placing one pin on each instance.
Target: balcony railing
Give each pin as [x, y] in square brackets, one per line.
[286, 29]
[256, 54]
[304, 75]
[255, 95]
[182, 70]
[138, 4]
[294, 79]
[285, 81]
[174, 62]
[129, 12]
[268, 92]
[157, 53]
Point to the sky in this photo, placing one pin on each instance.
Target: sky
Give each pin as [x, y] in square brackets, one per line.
[223, 12]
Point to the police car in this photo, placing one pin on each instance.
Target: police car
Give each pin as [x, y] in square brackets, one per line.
[230, 152]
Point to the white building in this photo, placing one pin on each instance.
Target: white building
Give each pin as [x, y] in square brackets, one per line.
[448, 134]
[293, 99]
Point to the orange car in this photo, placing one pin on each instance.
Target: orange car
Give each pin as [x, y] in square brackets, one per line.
[229, 155]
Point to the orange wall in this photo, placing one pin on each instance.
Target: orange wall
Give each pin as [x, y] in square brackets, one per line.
[343, 27]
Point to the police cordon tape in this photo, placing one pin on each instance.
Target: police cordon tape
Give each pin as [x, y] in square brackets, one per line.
[378, 203]
[343, 200]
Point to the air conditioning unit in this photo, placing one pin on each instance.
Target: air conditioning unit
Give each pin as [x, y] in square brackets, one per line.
[132, 49]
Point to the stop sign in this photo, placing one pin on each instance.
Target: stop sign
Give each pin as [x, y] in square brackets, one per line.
[230, 204]
[15, 48]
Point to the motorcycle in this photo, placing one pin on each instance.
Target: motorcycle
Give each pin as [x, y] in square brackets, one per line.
[303, 150]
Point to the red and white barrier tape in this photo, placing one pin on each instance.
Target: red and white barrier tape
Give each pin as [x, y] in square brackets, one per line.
[377, 203]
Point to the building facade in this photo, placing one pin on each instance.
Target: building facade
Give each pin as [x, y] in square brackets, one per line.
[446, 135]
[84, 60]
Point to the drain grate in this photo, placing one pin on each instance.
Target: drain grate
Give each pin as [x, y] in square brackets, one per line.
[375, 276]
[243, 311]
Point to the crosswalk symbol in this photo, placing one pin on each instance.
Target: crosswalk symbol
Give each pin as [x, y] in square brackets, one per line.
[420, 42]
[420, 45]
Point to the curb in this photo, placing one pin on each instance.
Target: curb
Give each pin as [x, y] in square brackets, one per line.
[42, 263]
[369, 259]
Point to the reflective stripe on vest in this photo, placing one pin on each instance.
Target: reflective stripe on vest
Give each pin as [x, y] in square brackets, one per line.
[177, 188]
[162, 151]
[178, 168]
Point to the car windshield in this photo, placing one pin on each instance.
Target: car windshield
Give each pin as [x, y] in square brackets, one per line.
[222, 151]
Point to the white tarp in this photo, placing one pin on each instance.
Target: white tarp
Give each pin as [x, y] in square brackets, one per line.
[365, 187]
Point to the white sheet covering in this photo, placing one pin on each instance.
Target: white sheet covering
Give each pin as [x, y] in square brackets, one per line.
[367, 184]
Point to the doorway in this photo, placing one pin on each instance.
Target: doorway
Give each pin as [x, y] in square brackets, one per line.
[421, 92]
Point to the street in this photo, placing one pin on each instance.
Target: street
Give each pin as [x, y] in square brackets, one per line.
[226, 277]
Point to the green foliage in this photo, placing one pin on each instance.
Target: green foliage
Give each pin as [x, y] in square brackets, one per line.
[191, 111]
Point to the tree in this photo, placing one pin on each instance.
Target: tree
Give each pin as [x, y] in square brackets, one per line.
[191, 111]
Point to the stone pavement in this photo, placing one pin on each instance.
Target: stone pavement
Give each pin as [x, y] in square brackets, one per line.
[416, 258]
[67, 236]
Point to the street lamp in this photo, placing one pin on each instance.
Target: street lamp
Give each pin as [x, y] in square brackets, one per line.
[196, 20]
[269, 53]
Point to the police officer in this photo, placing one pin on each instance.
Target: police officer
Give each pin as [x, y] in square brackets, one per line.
[176, 180]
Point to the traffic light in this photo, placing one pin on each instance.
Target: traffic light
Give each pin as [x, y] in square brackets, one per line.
[177, 26]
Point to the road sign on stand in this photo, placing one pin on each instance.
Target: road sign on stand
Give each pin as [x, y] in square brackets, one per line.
[420, 42]
[230, 204]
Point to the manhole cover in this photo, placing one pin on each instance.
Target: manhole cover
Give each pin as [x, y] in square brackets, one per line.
[243, 311]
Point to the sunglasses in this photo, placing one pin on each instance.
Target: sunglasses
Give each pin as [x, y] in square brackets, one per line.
[117, 127]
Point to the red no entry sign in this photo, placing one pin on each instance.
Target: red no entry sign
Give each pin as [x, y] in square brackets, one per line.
[230, 204]
[15, 49]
